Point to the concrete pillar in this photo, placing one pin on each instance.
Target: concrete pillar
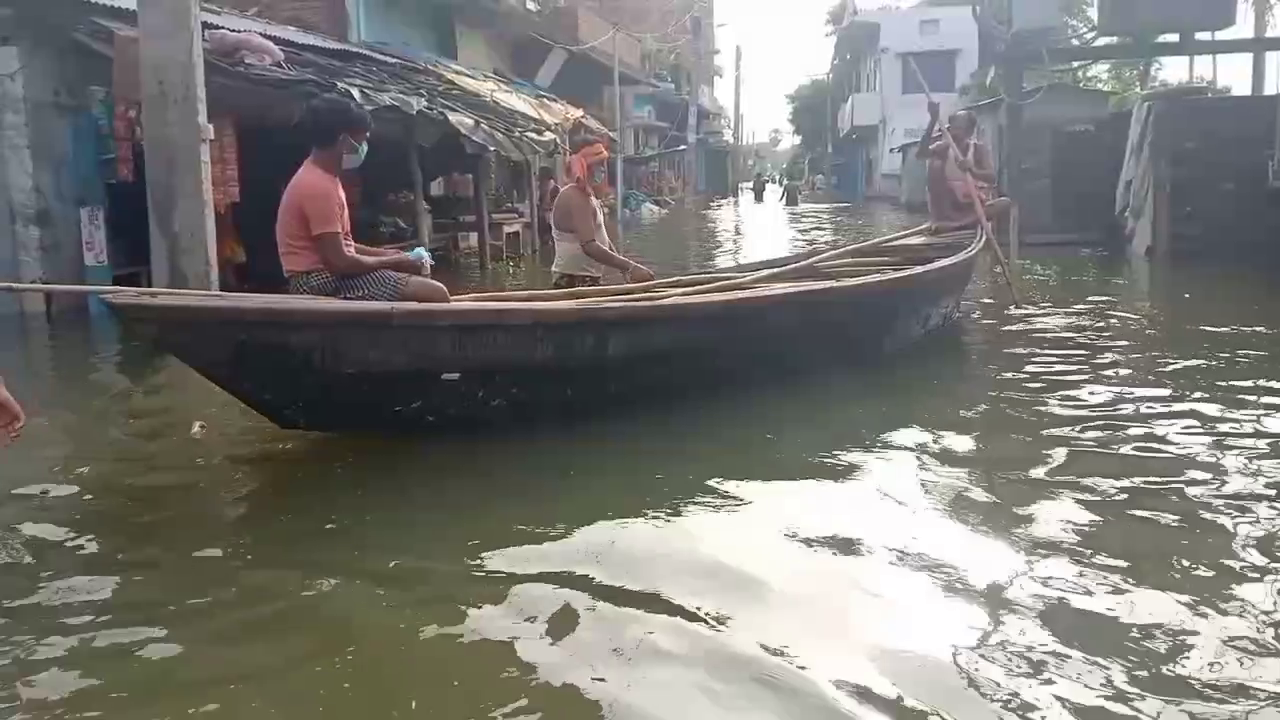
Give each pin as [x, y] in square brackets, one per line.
[39, 214]
[176, 139]
[20, 235]
[483, 181]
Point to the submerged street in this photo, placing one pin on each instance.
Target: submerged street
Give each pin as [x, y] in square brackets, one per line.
[1066, 510]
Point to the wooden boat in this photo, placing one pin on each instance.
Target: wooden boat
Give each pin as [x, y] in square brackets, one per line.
[335, 366]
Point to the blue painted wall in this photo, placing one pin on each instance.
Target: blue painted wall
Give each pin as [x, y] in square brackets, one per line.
[417, 28]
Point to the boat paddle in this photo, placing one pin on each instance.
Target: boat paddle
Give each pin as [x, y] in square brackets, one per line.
[978, 204]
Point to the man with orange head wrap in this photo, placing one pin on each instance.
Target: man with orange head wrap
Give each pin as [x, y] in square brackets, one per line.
[583, 247]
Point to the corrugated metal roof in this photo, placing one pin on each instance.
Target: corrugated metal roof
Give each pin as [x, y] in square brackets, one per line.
[229, 20]
[526, 116]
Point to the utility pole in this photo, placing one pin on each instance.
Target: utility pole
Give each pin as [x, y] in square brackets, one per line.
[736, 177]
[695, 88]
[1260, 58]
[830, 127]
[1214, 36]
[179, 193]
[622, 142]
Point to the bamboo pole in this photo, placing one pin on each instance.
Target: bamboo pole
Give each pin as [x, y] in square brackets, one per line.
[610, 292]
[757, 278]
[978, 205]
[106, 290]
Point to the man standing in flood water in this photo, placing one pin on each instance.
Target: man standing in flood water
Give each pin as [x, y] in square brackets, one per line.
[12, 419]
[791, 192]
[758, 187]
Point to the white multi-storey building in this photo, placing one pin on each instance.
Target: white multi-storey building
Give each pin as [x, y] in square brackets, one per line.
[888, 107]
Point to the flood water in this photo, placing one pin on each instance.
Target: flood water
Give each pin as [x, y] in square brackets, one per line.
[1064, 511]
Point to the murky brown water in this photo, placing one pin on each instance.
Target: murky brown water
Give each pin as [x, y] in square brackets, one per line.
[1067, 511]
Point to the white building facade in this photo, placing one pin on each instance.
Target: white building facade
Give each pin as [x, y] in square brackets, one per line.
[888, 106]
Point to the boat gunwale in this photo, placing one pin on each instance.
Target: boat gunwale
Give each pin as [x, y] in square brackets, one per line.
[283, 308]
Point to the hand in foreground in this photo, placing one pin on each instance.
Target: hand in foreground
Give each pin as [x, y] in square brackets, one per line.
[640, 274]
[12, 419]
[965, 165]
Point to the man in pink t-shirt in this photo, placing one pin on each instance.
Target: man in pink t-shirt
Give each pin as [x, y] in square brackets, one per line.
[313, 228]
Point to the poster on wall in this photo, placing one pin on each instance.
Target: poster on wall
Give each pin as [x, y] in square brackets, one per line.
[93, 235]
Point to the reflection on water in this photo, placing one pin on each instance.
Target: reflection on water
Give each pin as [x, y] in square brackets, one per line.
[1065, 511]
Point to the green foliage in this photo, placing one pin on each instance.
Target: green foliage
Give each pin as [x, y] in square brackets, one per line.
[835, 16]
[808, 114]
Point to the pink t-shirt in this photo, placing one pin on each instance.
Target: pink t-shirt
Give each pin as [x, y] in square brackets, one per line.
[314, 204]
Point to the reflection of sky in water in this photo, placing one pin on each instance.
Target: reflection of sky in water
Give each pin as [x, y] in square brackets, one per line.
[881, 588]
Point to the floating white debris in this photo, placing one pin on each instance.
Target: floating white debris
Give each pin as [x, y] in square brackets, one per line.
[45, 531]
[208, 552]
[47, 490]
[53, 684]
[198, 429]
[451, 376]
[79, 620]
[57, 646]
[126, 636]
[83, 588]
[88, 544]
[159, 651]
[208, 708]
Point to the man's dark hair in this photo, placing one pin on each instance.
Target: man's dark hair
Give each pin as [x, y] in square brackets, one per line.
[329, 117]
[546, 173]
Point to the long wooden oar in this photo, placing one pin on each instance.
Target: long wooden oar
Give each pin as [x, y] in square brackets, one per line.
[992, 243]
[760, 277]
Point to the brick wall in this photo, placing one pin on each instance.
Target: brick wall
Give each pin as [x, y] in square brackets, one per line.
[327, 17]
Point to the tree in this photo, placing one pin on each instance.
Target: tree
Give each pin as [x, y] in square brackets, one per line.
[808, 115]
[775, 138]
[836, 16]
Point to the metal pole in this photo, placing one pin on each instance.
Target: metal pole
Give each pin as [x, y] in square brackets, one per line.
[830, 128]
[691, 136]
[1214, 36]
[1259, 58]
[617, 107]
[737, 119]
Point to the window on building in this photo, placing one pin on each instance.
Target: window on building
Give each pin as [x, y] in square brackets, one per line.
[938, 69]
[930, 27]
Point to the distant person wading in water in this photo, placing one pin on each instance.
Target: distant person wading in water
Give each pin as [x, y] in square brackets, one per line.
[758, 187]
[583, 247]
[950, 204]
[791, 192]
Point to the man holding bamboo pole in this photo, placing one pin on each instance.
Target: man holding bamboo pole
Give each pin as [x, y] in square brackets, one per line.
[951, 206]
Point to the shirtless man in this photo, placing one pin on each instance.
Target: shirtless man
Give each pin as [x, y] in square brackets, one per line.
[583, 247]
[950, 204]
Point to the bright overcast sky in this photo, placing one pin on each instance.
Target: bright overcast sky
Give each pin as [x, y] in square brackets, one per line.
[786, 43]
[782, 43]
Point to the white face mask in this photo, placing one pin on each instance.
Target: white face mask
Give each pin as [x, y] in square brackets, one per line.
[354, 157]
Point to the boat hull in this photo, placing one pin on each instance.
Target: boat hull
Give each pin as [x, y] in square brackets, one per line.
[359, 370]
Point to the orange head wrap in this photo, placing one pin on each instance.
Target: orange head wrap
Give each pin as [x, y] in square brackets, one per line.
[580, 164]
